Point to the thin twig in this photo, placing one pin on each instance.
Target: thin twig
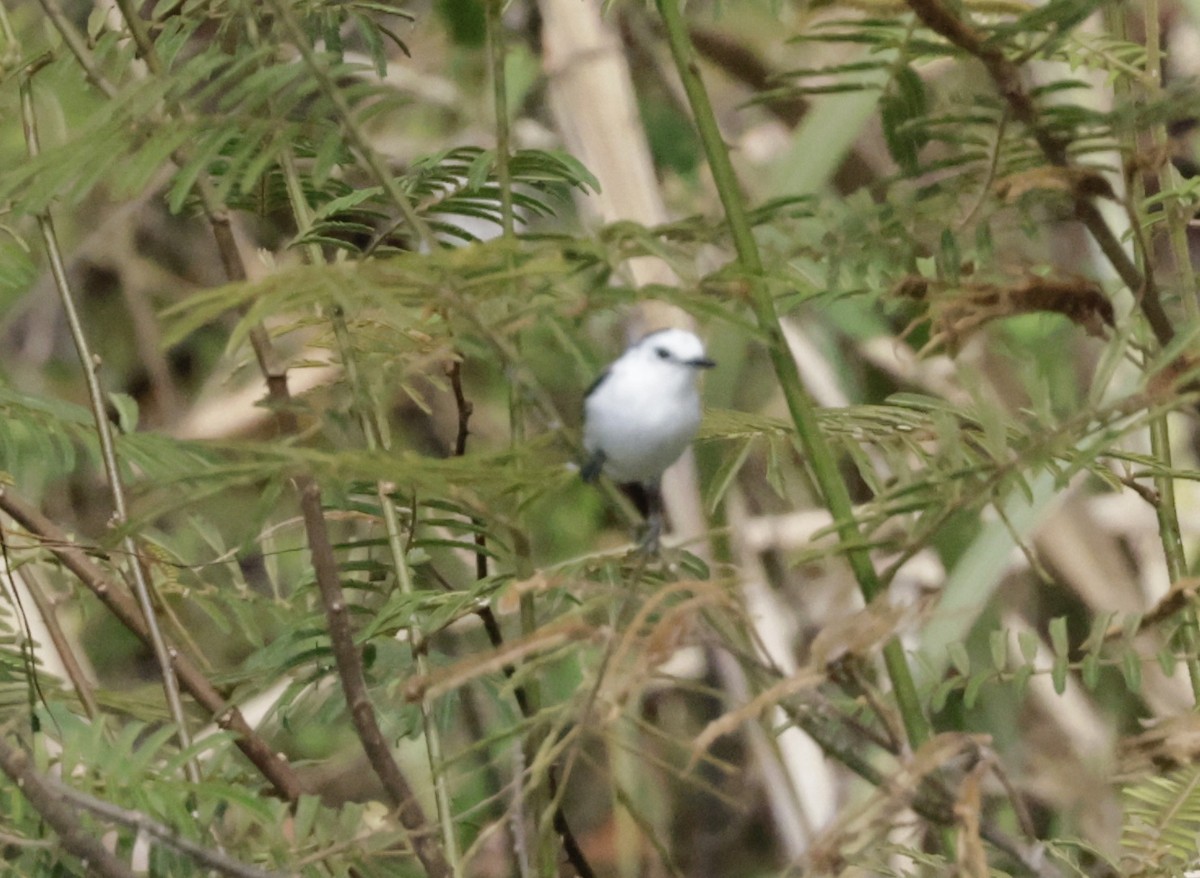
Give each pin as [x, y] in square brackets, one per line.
[1006, 77]
[77, 45]
[571, 846]
[223, 863]
[58, 638]
[90, 365]
[116, 599]
[16, 763]
[370, 158]
[354, 686]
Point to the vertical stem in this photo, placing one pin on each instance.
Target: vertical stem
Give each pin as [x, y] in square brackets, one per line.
[1168, 529]
[1177, 218]
[496, 61]
[820, 456]
[371, 432]
[1176, 230]
[90, 363]
[543, 850]
[366, 153]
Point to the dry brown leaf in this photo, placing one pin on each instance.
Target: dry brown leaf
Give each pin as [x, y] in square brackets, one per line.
[970, 855]
[802, 680]
[638, 656]
[957, 311]
[860, 633]
[1082, 182]
[508, 600]
[1181, 595]
[447, 679]
[711, 593]
[1168, 744]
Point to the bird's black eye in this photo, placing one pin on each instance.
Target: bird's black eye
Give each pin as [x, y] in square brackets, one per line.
[663, 353]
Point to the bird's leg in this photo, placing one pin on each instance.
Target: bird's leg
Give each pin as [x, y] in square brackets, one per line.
[654, 519]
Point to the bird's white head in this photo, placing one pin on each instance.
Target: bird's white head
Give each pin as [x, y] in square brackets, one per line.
[671, 350]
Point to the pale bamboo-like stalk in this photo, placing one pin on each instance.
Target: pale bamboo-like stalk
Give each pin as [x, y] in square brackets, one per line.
[594, 106]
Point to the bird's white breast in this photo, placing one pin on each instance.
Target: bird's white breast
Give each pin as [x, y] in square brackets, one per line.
[642, 420]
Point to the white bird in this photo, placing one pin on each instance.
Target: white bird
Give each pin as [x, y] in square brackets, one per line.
[640, 415]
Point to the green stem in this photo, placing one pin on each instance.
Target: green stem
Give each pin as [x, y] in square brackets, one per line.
[543, 851]
[1160, 431]
[370, 158]
[803, 411]
[496, 58]
[1168, 529]
[1177, 215]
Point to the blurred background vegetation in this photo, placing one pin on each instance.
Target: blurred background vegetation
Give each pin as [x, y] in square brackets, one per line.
[299, 299]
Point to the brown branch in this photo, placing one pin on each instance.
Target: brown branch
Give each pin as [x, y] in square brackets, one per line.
[58, 638]
[929, 799]
[167, 837]
[570, 844]
[61, 817]
[354, 685]
[1006, 77]
[274, 370]
[349, 662]
[191, 678]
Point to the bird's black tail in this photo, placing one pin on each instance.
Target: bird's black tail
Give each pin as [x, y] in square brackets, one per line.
[647, 499]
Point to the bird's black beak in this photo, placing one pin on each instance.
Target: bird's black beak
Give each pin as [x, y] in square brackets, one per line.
[702, 363]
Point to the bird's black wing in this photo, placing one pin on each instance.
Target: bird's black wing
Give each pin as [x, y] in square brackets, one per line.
[592, 466]
[599, 380]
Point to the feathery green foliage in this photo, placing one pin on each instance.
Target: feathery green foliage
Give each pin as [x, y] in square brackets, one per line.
[485, 591]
